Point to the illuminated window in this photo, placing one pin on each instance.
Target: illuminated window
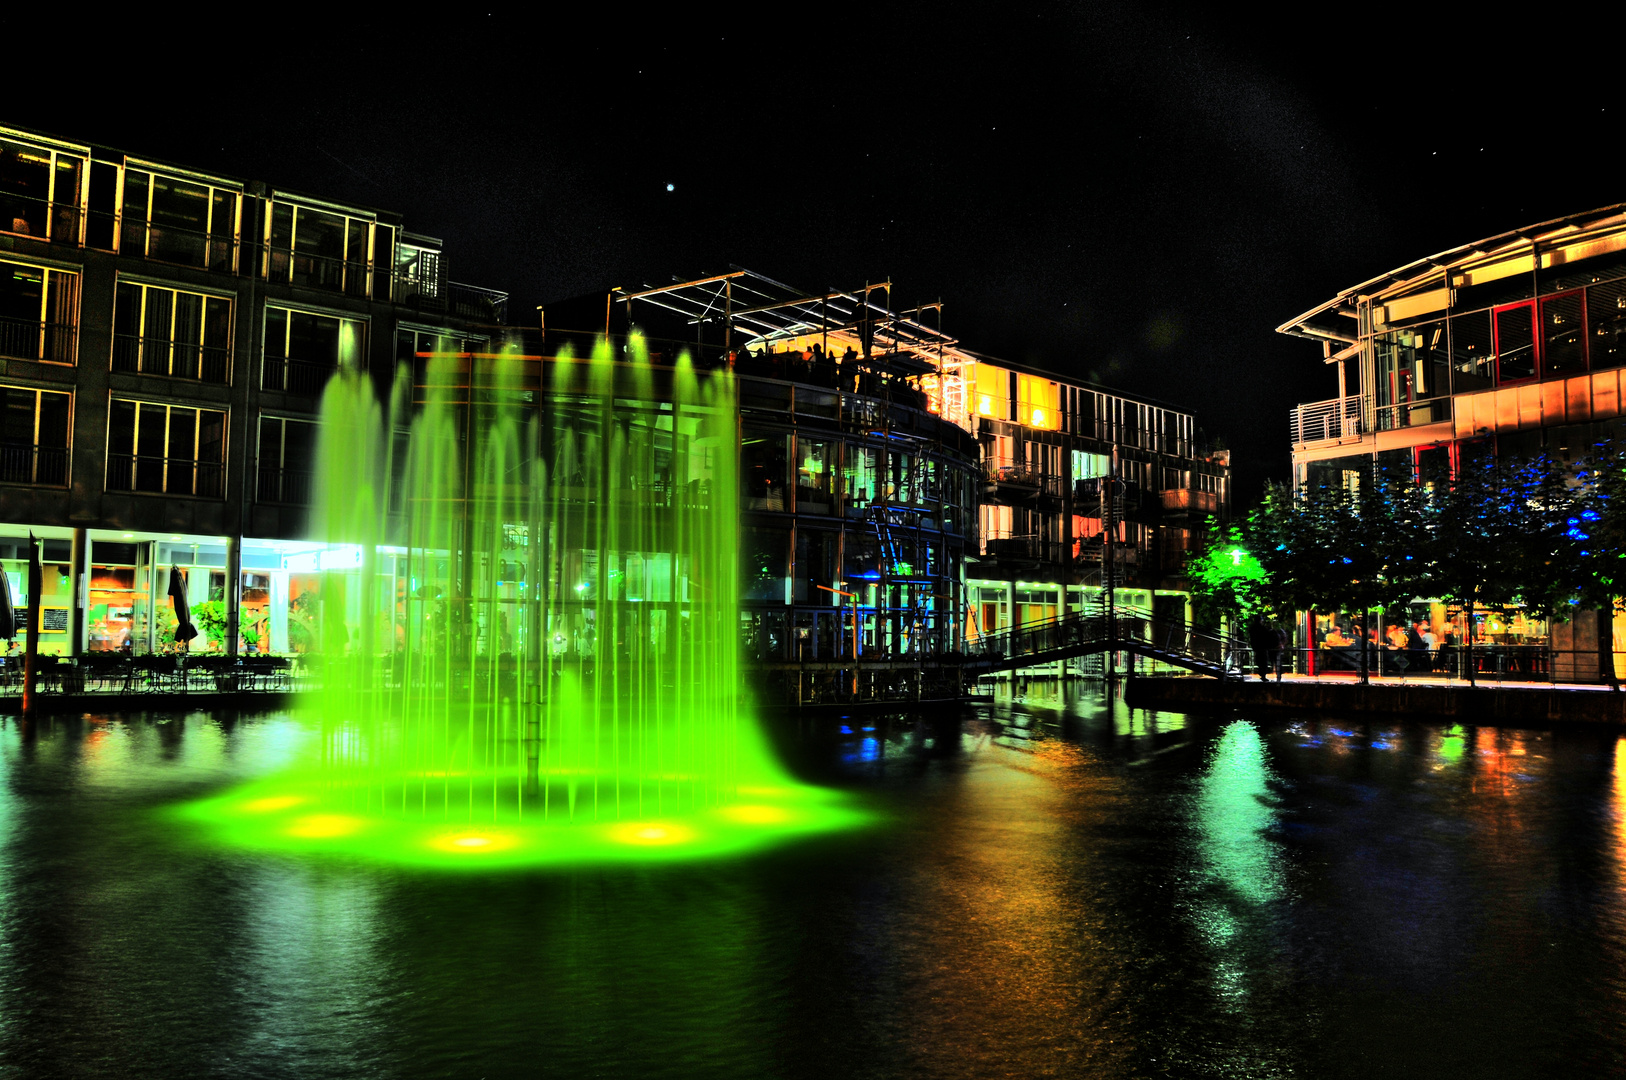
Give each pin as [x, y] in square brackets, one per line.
[287, 449]
[303, 349]
[192, 221]
[417, 270]
[34, 436]
[41, 190]
[329, 248]
[159, 331]
[165, 448]
[985, 405]
[39, 313]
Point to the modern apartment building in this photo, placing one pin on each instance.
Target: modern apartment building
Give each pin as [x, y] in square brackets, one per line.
[164, 337]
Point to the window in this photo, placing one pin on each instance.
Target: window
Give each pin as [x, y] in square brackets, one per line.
[193, 222]
[417, 270]
[303, 349]
[410, 341]
[159, 331]
[1563, 334]
[41, 190]
[763, 468]
[1411, 374]
[39, 313]
[1473, 360]
[1606, 324]
[287, 450]
[34, 428]
[165, 448]
[815, 475]
[329, 249]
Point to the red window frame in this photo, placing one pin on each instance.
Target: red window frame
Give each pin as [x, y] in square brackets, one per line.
[1535, 342]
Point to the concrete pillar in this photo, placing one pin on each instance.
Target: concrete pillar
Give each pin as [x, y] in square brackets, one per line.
[80, 584]
[234, 593]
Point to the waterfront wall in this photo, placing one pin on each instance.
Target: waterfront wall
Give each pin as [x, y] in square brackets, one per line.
[1482, 705]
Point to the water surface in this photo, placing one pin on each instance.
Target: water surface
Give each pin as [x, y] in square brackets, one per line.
[1072, 891]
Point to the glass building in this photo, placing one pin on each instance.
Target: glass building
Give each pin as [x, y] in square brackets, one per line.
[1501, 347]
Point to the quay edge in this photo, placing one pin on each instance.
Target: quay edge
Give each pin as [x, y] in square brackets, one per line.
[1509, 705]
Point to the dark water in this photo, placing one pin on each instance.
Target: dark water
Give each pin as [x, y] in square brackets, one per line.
[1089, 893]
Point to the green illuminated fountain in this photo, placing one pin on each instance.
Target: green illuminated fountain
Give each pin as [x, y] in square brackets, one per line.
[528, 612]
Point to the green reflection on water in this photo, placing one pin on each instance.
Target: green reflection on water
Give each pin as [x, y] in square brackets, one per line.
[1233, 810]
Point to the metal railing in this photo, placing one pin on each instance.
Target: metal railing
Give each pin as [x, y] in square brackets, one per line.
[30, 215]
[1169, 640]
[173, 244]
[29, 340]
[1325, 421]
[177, 359]
[292, 376]
[27, 464]
[1021, 476]
[279, 485]
[352, 277]
[164, 475]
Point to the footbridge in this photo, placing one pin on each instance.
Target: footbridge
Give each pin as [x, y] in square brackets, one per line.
[1081, 633]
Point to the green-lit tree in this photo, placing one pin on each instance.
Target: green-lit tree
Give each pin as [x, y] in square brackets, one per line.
[1227, 579]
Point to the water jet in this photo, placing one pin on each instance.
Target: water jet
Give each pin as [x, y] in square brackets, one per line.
[528, 612]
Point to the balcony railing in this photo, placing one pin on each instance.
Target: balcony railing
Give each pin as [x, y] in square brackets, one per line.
[1191, 499]
[164, 475]
[1327, 421]
[1021, 477]
[278, 485]
[302, 377]
[29, 340]
[23, 463]
[178, 359]
[173, 244]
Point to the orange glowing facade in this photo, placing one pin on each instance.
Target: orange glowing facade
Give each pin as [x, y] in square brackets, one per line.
[1506, 346]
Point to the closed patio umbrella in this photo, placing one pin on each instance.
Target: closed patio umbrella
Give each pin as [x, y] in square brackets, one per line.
[184, 630]
[8, 609]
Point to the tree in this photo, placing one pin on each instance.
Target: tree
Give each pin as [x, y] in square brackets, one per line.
[1497, 538]
[1596, 531]
[1227, 579]
[1349, 547]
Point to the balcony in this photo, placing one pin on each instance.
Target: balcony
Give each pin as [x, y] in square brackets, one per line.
[303, 377]
[350, 277]
[1190, 500]
[277, 485]
[29, 340]
[23, 463]
[173, 244]
[177, 359]
[161, 475]
[1019, 480]
[1333, 420]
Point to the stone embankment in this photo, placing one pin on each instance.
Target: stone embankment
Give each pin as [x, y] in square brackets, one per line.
[1493, 703]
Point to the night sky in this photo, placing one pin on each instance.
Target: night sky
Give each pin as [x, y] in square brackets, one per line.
[1131, 194]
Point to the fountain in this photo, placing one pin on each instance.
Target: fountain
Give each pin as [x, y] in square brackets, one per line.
[543, 666]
